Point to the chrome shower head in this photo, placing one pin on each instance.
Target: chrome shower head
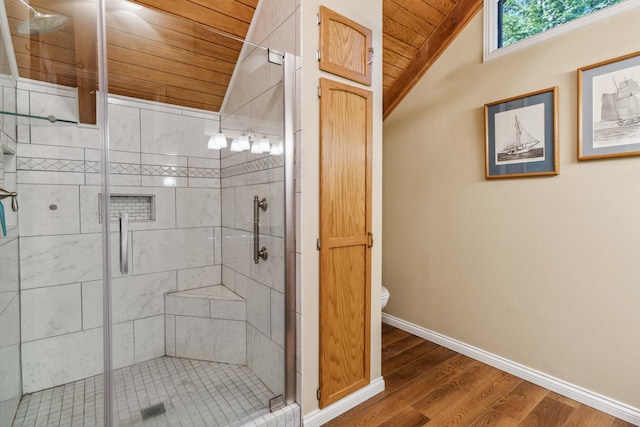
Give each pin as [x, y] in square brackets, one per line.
[41, 23]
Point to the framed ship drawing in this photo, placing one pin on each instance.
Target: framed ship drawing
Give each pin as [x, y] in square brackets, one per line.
[609, 108]
[521, 135]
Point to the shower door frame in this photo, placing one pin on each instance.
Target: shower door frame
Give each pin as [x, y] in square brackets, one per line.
[289, 220]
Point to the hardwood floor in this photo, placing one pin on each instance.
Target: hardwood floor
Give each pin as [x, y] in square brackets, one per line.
[427, 384]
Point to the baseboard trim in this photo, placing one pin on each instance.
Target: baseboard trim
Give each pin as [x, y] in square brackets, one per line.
[320, 416]
[579, 394]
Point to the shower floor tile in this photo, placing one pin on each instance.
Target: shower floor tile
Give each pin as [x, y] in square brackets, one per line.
[194, 393]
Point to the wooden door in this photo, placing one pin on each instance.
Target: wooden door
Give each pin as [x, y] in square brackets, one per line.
[345, 239]
[345, 47]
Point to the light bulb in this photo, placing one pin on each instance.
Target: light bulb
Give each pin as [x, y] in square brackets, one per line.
[265, 147]
[220, 141]
[243, 141]
[276, 149]
[235, 145]
[256, 148]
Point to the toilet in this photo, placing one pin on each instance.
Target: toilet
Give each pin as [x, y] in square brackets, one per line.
[384, 297]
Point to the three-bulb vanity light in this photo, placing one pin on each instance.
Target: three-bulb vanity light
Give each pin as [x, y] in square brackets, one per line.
[246, 143]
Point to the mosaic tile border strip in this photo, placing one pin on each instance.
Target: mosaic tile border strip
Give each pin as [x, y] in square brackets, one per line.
[258, 165]
[60, 165]
[57, 165]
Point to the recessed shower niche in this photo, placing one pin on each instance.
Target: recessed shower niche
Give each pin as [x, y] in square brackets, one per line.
[139, 207]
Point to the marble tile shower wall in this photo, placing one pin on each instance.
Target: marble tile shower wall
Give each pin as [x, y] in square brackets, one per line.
[254, 104]
[10, 383]
[156, 150]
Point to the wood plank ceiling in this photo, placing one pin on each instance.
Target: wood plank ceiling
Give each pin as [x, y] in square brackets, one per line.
[415, 33]
[167, 51]
[161, 52]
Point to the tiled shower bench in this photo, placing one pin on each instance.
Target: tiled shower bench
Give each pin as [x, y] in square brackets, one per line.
[207, 324]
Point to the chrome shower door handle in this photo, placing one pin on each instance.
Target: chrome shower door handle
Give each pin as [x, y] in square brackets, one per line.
[124, 243]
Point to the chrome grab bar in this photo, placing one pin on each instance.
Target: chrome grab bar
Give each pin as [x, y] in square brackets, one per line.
[258, 253]
[124, 243]
[14, 198]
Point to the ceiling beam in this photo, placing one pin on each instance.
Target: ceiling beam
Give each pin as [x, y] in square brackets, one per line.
[429, 52]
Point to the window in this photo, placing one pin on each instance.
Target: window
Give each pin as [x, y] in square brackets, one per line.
[511, 25]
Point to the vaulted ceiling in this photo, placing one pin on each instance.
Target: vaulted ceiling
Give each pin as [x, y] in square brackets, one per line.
[165, 51]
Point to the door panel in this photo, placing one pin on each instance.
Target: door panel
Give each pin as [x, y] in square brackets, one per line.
[345, 47]
[345, 254]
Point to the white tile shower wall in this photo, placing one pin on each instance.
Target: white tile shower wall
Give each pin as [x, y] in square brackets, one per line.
[10, 380]
[255, 105]
[58, 175]
[10, 385]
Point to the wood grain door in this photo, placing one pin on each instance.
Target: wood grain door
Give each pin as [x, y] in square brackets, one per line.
[345, 47]
[345, 239]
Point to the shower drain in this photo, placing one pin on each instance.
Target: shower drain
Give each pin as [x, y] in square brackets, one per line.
[153, 411]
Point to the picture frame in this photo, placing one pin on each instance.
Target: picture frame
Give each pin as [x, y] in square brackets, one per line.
[609, 108]
[521, 135]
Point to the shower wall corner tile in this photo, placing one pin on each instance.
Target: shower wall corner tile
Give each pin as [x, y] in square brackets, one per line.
[149, 336]
[258, 299]
[266, 360]
[199, 277]
[228, 196]
[217, 245]
[170, 334]
[237, 250]
[270, 272]
[92, 306]
[9, 266]
[59, 360]
[277, 318]
[9, 320]
[11, 384]
[122, 344]
[51, 311]
[229, 278]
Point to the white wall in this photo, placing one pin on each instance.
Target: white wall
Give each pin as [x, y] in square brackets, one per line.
[540, 271]
[369, 14]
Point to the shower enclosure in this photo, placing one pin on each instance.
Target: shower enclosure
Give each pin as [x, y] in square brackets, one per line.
[147, 278]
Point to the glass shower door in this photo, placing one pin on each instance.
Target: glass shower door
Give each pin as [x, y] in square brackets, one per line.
[201, 323]
[57, 173]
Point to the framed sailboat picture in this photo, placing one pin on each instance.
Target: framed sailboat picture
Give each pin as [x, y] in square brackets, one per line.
[521, 135]
[609, 108]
